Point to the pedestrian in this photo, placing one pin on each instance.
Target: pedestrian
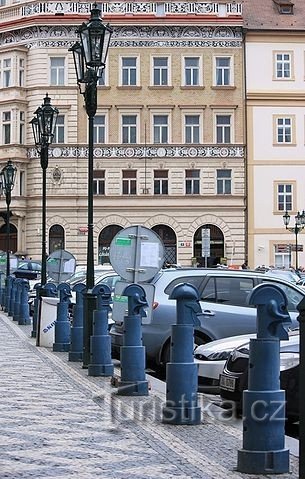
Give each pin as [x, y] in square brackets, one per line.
[245, 265]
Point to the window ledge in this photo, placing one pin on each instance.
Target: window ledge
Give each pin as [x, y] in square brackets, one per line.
[129, 87]
[223, 87]
[103, 87]
[160, 87]
[192, 87]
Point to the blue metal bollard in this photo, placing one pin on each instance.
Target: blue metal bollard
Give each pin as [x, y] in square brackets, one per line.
[62, 324]
[264, 449]
[2, 289]
[100, 341]
[76, 346]
[15, 298]
[35, 312]
[133, 380]
[8, 288]
[181, 405]
[24, 313]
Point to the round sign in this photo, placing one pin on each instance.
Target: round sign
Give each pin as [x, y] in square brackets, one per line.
[136, 254]
[13, 262]
[61, 265]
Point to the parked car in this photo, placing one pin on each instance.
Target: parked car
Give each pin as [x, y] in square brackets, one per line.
[223, 299]
[234, 378]
[28, 269]
[211, 359]
[284, 274]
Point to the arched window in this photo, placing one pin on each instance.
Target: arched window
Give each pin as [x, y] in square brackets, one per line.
[13, 238]
[56, 238]
[168, 236]
[104, 241]
[216, 246]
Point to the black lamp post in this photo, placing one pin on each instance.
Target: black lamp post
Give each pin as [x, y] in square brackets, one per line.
[43, 125]
[8, 176]
[90, 56]
[299, 224]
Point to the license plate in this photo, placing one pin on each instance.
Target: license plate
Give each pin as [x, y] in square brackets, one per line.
[227, 383]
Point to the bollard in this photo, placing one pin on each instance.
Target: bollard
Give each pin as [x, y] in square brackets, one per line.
[76, 346]
[2, 290]
[35, 312]
[12, 291]
[264, 449]
[23, 310]
[8, 288]
[100, 342]
[62, 324]
[181, 405]
[133, 380]
[15, 297]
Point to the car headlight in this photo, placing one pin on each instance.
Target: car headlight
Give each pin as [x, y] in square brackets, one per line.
[289, 360]
[219, 356]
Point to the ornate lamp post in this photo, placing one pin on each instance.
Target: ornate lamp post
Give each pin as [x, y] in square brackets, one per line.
[43, 125]
[8, 176]
[299, 224]
[90, 56]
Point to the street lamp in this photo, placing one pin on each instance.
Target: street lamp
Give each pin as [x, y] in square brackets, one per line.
[299, 224]
[8, 176]
[43, 125]
[90, 56]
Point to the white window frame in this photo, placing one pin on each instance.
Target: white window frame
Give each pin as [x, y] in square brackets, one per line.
[98, 128]
[21, 138]
[230, 69]
[6, 125]
[135, 68]
[161, 128]
[184, 127]
[224, 113]
[283, 62]
[167, 68]
[287, 197]
[192, 181]
[163, 182]
[99, 183]
[286, 128]
[128, 181]
[61, 71]
[125, 114]
[60, 127]
[7, 73]
[184, 69]
[223, 181]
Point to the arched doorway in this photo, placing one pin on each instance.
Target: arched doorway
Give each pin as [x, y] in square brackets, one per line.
[168, 236]
[56, 238]
[216, 246]
[13, 238]
[104, 241]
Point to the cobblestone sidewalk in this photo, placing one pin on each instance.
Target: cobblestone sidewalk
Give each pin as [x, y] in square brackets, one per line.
[57, 422]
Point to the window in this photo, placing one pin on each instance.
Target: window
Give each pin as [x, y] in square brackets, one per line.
[283, 66]
[7, 73]
[224, 182]
[21, 182]
[99, 129]
[160, 71]
[21, 72]
[99, 182]
[191, 71]
[129, 182]
[192, 182]
[192, 129]
[57, 71]
[129, 128]
[284, 130]
[160, 182]
[223, 128]
[59, 133]
[101, 77]
[227, 290]
[160, 125]
[282, 255]
[129, 71]
[6, 125]
[21, 127]
[223, 66]
[284, 197]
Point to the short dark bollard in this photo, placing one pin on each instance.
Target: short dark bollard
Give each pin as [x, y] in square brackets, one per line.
[62, 324]
[24, 313]
[181, 372]
[2, 290]
[133, 380]
[77, 329]
[100, 342]
[35, 310]
[263, 449]
[12, 291]
[15, 298]
[7, 295]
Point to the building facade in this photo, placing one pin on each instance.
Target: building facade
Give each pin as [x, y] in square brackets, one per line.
[169, 131]
[275, 66]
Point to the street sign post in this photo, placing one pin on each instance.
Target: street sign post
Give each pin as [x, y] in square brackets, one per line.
[206, 244]
[61, 265]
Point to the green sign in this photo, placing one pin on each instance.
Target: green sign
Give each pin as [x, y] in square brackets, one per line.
[120, 299]
[123, 241]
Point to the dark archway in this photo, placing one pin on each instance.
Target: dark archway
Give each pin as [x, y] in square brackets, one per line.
[216, 246]
[168, 236]
[13, 238]
[104, 241]
[56, 238]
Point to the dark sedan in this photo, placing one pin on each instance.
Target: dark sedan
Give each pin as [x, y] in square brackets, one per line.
[234, 378]
[28, 269]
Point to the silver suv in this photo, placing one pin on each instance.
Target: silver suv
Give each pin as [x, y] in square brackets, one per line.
[225, 312]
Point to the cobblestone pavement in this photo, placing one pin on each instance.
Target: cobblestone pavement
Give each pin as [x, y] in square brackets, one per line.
[57, 422]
